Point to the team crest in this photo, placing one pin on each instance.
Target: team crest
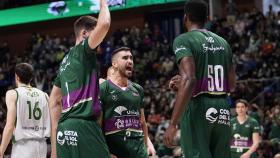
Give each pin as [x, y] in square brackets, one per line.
[114, 97]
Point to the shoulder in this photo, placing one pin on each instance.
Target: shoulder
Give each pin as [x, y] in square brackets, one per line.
[219, 38]
[252, 120]
[137, 86]
[103, 84]
[11, 95]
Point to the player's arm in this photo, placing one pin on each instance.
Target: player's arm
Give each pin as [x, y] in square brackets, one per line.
[55, 111]
[188, 80]
[11, 97]
[144, 125]
[102, 26]
[254, 147]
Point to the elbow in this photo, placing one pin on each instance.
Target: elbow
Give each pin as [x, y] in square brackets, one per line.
[9, 128]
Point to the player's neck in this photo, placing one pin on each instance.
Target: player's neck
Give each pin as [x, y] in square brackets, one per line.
[195, 27]
[23, 85]
[120, 81]
[242, 118]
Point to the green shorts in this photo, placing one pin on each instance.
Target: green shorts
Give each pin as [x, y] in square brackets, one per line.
[205, 128]
[78, 138]
[126, 147]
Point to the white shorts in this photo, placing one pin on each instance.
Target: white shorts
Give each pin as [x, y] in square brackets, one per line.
[29, 149]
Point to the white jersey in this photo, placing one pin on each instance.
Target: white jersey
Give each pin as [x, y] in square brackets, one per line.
[33, 117]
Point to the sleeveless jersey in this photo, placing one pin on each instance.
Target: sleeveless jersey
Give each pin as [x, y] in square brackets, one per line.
[212, 56]
[33, 117]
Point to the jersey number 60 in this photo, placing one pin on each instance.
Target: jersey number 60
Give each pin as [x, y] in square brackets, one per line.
[215, 78]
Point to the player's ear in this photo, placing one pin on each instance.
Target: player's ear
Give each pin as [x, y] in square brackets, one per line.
[84, 33]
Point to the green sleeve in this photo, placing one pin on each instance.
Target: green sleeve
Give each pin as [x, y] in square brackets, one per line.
[255, 126]
[181, 48]
[57, 81]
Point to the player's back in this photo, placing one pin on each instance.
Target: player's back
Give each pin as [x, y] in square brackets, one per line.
[33, 118]
[213, 59]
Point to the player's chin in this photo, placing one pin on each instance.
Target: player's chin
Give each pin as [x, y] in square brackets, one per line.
[128, 73]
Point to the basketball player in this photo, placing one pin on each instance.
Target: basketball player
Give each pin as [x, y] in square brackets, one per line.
[75, 129]
[207, 76]
[28, 118]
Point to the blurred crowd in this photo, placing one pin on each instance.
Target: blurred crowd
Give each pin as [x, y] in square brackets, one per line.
[254, 39]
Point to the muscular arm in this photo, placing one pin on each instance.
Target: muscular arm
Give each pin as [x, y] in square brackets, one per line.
[188, 79]
[55, 111]
[102, 26]
[144, 126]
[11, 97]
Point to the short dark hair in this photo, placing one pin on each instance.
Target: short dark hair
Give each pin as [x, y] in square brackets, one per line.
[118, 50]
[84, 22]
[197, 11]
[245, 102]
[25, 72]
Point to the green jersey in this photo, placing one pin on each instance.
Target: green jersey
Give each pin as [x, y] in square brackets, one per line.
[213, 59]
[78, 80]
[121, 109]
[241, 134]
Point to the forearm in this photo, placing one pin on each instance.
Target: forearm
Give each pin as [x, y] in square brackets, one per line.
[145, 131]
[6, 137]
[183, 96]
[253, 148]
[55, 112]
[104, 18]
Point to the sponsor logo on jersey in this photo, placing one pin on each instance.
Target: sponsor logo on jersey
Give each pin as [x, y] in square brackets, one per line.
[234, 126]
[209, 113]
[119, 123]
[60, 138]
[221, 117]
[68, 137]
[247, 125]
[179, 49]
[120, 109]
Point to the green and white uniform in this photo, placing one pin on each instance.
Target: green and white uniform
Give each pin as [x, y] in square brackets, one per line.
[205, 124]
[32, 123]
[78, 133]
[241, 136]
[121, 119]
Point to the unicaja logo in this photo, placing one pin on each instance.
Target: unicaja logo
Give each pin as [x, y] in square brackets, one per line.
[120, 109]
[59, 137]
[209, 115]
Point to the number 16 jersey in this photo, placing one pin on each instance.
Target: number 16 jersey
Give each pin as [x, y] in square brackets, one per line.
[32, 118]
[213, 59]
